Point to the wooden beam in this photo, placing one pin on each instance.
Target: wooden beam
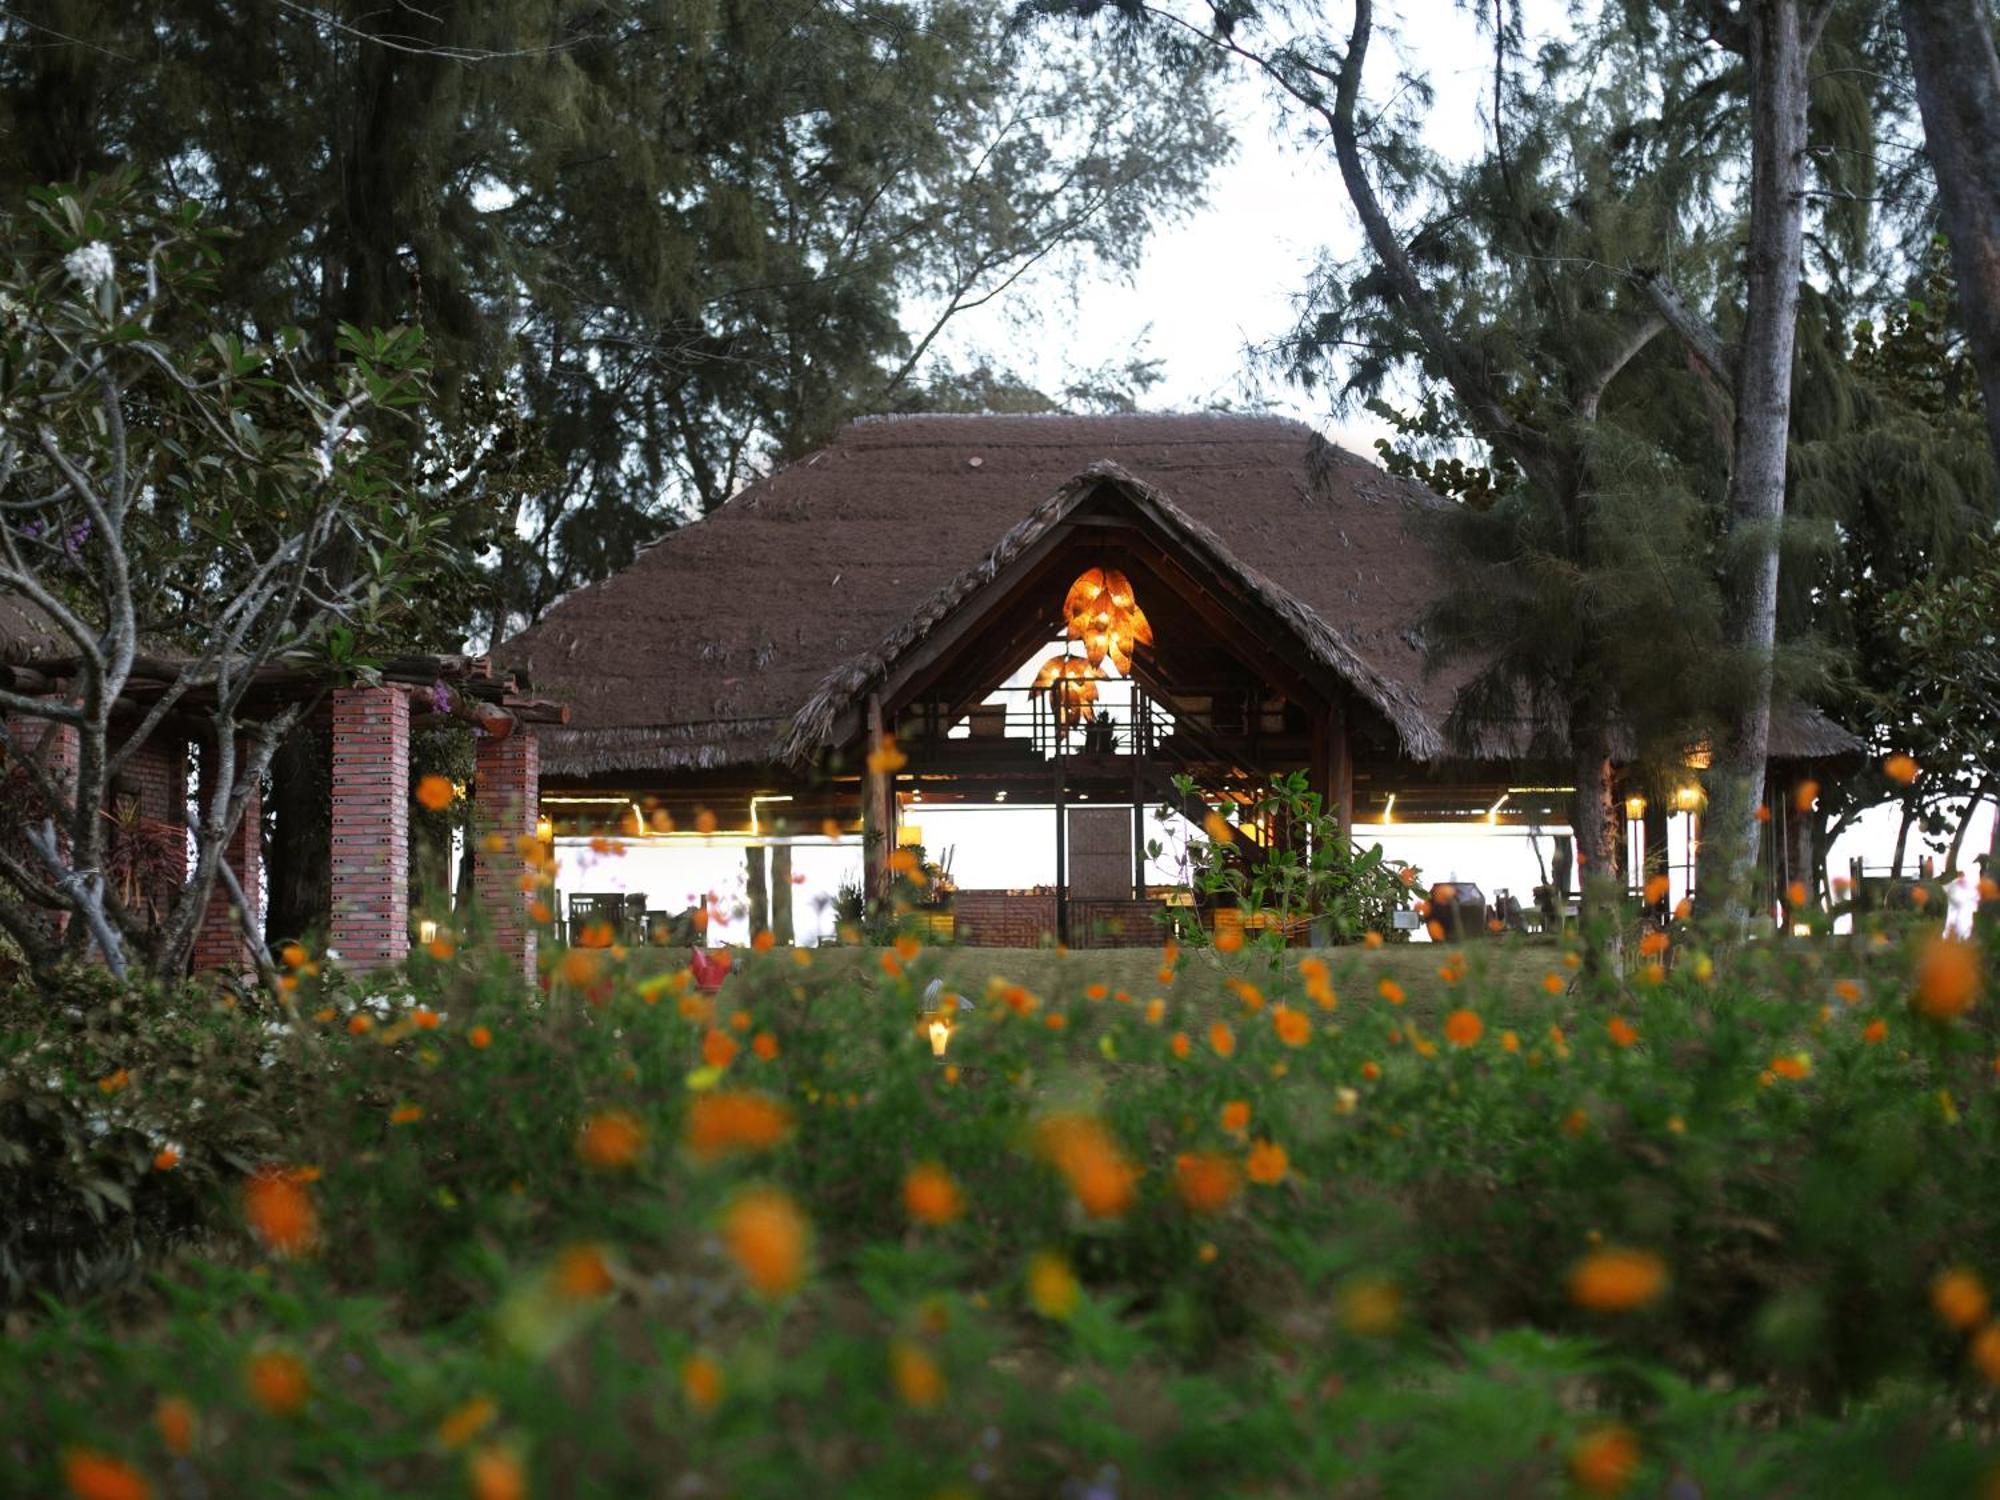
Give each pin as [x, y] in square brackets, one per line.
[878, 812]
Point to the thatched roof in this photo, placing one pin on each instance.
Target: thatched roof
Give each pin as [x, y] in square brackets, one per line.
[743, 637]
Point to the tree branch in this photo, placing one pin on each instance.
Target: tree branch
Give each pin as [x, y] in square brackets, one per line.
[1701, 340]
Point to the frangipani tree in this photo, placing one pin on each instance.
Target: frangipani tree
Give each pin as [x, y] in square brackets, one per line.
[184, 511]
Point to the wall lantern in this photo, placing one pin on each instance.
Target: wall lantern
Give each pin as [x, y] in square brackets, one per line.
[427, 931]
[545, 829]
[1689, 798]
[1635, 807]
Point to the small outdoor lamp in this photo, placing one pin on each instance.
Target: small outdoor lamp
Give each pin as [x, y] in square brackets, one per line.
[427, 931]
[545, 829]
[1635, 807]
[937, 1008]
[1688, 798]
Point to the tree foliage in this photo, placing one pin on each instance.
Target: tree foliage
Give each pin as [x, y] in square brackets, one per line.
[655, 244]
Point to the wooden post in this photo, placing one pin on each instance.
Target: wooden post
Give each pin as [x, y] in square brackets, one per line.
[1331, 773]
[781, 894]
[1062, 850]
[878, 814]
[759, 888]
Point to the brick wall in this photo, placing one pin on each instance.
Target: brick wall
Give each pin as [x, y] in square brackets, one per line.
[1004, 919]
[1115, 924]
[219, 943]
[371, 826]
[506, 802]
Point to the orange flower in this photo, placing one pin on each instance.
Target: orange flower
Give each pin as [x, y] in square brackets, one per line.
[915, 1375]
[1463, 1028]
[610, 1139]
[1875, 1031]
[1947, 978]
[1657, 887]
[1155, 1012]
[360, 1025]
[434, 792]
[496, 1473]
[1621, 1032]
[1901, 769]
[701, 1382]
[1604, 1460]
[1371, 939]
[1575, 1123]
[764, 1045]
[1084, 1152]
[1510, 1042]
[1206, 1180]
[1267, 1163]
[1792, 1065]
[1960, 1299]
[719, 1124]
[930, 1196]
[480, 1038]
[1371, 1071]
[1653, 944]
[1848, 991]
[1222, 1039]
[281, 1212]
[886, 759]
[768, 1237]
[166, 1159]
[1617, 1280]
[1244, 990]
[99, 1476]
[1552, 982]
[1389, 990]
[1293, 1029]
[174, 1419]
[111, 1083]
[1236, 1116]
[718, 1048]
[1096, 991]
[278, 1382]
[292, 955]
[1052, 1288]
[466, 1421]
[1178, 1044]
[581, 1273]
[904, 861]
[406, 1114]
[1228, 939]
[1984, 1351]
[540, 913]
[764, 941]
[890, 965]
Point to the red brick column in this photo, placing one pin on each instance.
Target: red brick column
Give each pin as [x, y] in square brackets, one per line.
[371, 826]
[506, 792]
[219, 942]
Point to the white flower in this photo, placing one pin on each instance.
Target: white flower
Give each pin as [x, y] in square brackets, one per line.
[90, 265]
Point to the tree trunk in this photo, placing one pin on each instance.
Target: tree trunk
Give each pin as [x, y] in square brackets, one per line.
[1958, 93]
[1979, 795]
[1902, 839]
[300, 900]
[1595, 819]
[1780, 41]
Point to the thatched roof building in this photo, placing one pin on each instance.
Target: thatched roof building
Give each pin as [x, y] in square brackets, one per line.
[751, 638]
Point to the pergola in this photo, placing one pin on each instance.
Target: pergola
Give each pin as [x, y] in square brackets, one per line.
[892, 585]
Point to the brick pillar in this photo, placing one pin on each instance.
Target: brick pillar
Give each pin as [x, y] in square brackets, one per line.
[371, 826]
[219, 942]
[506, 791]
